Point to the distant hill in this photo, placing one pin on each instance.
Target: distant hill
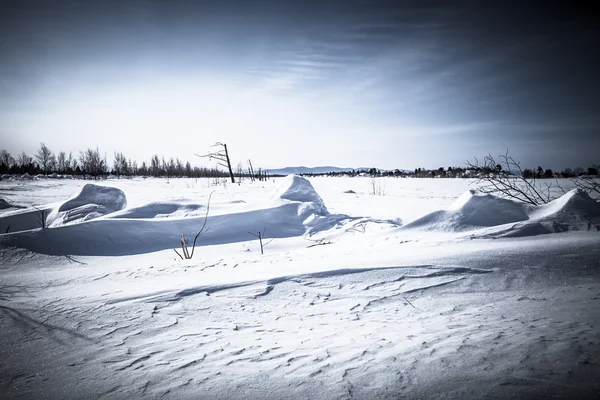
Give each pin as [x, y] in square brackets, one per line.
[306, 170]
[316, 170]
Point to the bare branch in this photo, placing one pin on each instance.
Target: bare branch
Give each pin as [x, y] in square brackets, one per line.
[505, 177]
[408, 301]
[203, 225]
[184, 247]
[264, 244]
[180, 256]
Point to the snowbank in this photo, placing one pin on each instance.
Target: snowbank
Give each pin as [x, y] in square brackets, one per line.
[576, 201]
[125, 236]
[473, 209]
[91, 202]
[574, 211]
[497, 216]
[298, 210]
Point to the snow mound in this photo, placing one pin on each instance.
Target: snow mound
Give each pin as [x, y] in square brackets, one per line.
[473, 209]
[160, 210]
[91, 202]
[576, 201]
[574, 211]
[298, 189]
[493, 216]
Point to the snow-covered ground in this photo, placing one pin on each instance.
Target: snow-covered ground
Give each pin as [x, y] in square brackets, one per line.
[427, 290]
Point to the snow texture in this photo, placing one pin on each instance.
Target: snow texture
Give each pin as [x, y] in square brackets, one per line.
[160, 210]
[91, 202]
[475, 297]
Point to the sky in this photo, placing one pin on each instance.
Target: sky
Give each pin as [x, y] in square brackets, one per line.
[354, 83]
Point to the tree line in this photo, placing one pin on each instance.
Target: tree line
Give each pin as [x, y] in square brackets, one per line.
[93, 164]
[470, 171]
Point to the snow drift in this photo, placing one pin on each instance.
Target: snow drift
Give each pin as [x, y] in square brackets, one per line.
[297, 210]
[574, 202]
[91, 202]
[474, 210]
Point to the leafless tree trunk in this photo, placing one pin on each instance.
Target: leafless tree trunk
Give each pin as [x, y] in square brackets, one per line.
[251, 170]
[222, 156]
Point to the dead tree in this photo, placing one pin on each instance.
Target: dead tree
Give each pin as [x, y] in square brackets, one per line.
[184, 248]
[251, 170]
[222, 156]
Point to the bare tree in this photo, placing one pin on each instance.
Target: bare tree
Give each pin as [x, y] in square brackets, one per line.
[92, 163]
[23, 159]
[505, 177]
[184, 248]
[133, 166]
[70, 163]
[251, 170]
[52, 163]
[6, 160]
[155, 165]
[62, 162]
[222, 156]
[43, 156]
[120, 164]
[240, 171]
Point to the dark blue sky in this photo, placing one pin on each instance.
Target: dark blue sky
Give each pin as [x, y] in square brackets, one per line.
[353, 83]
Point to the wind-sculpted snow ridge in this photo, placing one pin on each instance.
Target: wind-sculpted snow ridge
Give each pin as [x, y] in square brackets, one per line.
[160, 210]
[408, 278]
[471, 210]
[297, 189]
[494, 216]
[91, 202]
[574, 211]
[138, 231]
[576, 201]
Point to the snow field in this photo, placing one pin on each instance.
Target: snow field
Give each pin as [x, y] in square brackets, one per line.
[431, 291]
